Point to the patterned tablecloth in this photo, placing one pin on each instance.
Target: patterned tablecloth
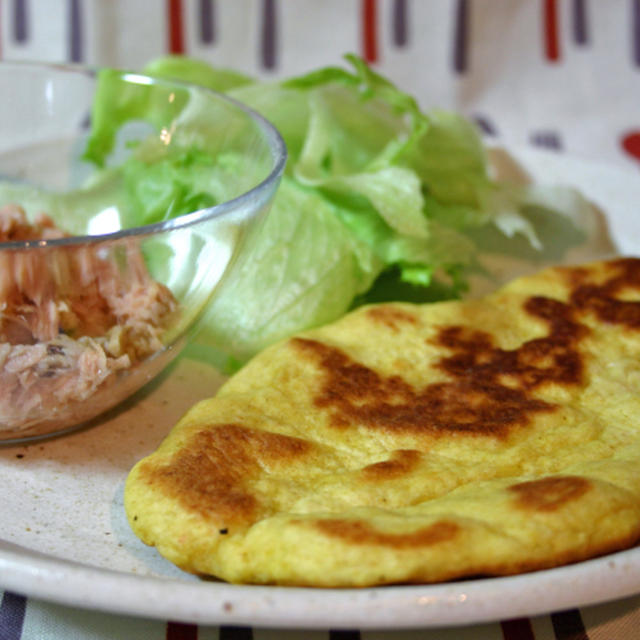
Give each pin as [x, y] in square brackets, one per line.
[558, 74]
[25, 619]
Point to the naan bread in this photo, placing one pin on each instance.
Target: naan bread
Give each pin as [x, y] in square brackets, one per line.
[413, 444]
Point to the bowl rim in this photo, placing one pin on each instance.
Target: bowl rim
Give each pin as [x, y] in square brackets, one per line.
[258, 194]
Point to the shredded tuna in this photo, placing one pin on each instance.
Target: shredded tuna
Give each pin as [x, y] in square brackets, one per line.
[70, 319]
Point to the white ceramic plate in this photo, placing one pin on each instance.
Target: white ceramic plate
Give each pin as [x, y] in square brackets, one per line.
[64, 537]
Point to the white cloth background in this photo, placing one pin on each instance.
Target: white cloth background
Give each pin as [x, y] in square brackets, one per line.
[559, 73]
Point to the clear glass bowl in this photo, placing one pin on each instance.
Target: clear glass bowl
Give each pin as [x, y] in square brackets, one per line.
[92, 309]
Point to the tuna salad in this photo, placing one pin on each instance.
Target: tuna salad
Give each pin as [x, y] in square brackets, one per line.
[71, 319]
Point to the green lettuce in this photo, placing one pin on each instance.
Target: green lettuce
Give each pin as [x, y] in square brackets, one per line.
[380, 200]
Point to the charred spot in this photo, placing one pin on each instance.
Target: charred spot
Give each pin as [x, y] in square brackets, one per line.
[465, 340]
[473, 403]
[489, 390]
[603, 298]
[209, 475]
[553, 358]
[549, 494]
[391, 316]
[401, 463]
[359, 532]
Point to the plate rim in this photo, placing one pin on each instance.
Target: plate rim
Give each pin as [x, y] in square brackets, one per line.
[452, 604]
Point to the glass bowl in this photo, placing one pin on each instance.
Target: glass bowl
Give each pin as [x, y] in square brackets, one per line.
[123, 202]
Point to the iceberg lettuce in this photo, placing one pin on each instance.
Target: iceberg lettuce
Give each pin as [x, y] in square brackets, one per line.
[380, 200]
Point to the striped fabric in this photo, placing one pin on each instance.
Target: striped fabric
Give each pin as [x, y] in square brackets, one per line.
[563, 75]
[503, 62]
[22, 619]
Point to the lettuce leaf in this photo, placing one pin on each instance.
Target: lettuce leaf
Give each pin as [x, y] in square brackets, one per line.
[301, 266]
[379, 201]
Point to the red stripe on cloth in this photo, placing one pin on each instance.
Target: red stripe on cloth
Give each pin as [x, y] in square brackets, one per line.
[517, 629]
[181, 631]
[175, 26]
[551, 32]
[370, 30]
[631, 144]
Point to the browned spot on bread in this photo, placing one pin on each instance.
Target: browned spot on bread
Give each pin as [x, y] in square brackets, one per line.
[548, 494]
[392, 317]
[359, 532]
[209, 474]
[401, 462]
[602, 299]
[469, 405]
[490, 390]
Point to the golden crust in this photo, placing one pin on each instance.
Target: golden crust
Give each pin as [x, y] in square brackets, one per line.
[410, 443]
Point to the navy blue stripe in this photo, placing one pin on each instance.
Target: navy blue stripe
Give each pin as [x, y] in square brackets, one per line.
[235, 633]
[207, 21]
[269, 36]
[20, 20]
[568, 625]
[485, 125]
[12, 610]
[580, 22]
[461, 36]
[400, 22]
[344, 634]
[547, 139]
[76, 53]
[635, 26]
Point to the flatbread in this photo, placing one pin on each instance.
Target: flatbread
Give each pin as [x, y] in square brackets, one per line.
[415, 443]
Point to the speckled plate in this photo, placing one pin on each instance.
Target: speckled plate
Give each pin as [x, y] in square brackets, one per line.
[64, 537]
